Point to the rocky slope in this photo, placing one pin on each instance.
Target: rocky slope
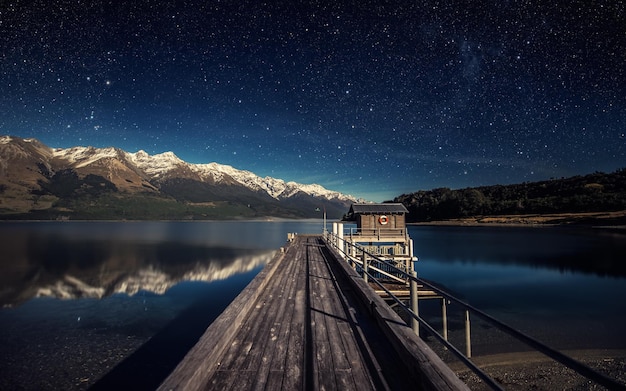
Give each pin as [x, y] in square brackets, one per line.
[37, 181]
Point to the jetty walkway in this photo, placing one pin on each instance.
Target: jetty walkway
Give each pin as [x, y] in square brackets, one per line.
[309, 322]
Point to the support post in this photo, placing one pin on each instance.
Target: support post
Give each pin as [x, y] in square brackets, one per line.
[468, 337]
[340, 242]
[444, 314]
[365, 266]
[414, 303]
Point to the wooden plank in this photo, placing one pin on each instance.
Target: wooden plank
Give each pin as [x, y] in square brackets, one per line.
[289, 321]
[431, 373]
[348, 364]
[324, 359]
[293, 328]
[249, 355]
[352, 370]
[334, 315]
[279, 313]
[203, 358]
[294, 376]
[249, 348]
[294, 373]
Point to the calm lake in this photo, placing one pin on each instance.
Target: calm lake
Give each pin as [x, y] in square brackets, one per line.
[126, 300]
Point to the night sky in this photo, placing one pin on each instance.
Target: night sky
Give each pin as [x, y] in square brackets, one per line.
[371, 98]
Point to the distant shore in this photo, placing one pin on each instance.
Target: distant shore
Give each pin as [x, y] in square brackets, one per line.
[614, 220]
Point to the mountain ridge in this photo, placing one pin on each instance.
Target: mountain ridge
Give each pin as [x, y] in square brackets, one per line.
[37, 181]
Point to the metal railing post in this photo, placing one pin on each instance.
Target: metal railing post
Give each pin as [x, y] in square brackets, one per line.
[415, 325]
[578, 367]
[444, 315]
[468, 337]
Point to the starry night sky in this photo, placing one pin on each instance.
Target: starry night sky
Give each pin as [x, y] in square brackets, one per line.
[371, 98]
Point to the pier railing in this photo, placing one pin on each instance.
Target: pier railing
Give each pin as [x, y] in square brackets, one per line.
[379, 233]
[376, 269]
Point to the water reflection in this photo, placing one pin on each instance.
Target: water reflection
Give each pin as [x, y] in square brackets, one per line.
[138, 282]
[561, 286]
[86, 263]
[579, 251]
[139, 295]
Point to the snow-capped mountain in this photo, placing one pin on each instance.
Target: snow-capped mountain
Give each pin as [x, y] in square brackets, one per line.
[58, 178]
[160, 165]
[167, 164]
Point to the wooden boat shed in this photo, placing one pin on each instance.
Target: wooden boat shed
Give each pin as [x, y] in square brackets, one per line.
[380, 230]
[372, 217]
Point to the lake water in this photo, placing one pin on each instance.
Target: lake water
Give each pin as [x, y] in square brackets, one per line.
[83, 299]
[565, 287]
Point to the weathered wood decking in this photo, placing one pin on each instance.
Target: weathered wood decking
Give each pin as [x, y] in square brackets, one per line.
[299, 325]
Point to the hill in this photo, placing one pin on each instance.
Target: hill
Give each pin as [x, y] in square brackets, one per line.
[580, 195]
[39, 182]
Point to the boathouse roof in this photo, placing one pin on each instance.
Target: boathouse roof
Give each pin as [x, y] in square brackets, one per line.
[376, 209]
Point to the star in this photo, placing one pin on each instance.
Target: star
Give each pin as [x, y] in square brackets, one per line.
[532, 90]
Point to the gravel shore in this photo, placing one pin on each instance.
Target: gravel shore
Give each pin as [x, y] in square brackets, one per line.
[534, 371]
[515, 367]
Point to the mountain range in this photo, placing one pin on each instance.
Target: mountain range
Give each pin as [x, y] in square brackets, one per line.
[40, 182]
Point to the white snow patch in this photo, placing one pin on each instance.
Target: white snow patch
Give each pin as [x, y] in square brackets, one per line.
[160, 164]
[84, 156]
[156, 165]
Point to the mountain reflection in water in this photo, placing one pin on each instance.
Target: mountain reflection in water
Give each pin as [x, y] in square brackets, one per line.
[141, 305]
[66, 268]
[84, 301]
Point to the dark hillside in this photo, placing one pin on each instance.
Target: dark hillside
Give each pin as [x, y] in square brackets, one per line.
[597, 192]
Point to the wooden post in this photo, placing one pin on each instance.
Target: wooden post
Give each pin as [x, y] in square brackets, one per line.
[468, 338]
[414, 303]
[444, 314]
[340, 241]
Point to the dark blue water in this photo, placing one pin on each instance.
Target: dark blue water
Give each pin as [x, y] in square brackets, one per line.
[85, 299]
[565, 287]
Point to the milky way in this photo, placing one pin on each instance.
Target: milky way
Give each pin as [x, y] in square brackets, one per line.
[372, 98]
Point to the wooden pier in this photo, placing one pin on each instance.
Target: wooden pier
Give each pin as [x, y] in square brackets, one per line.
[309, 322]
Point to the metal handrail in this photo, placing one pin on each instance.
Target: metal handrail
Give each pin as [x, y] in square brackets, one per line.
[575, 365]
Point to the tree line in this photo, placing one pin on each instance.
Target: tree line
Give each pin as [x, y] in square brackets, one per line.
[597, 192]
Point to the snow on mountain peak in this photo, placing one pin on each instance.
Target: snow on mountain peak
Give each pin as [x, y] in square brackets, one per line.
[161, 164]
[155, 165]
[272, 186]
[83, 156]
[276, 188]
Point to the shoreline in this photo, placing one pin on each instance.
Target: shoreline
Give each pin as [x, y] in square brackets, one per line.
[534, 370]
[535, 357]
[606, 220]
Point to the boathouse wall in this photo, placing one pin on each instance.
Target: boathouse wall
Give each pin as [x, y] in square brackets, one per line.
[374, 221]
